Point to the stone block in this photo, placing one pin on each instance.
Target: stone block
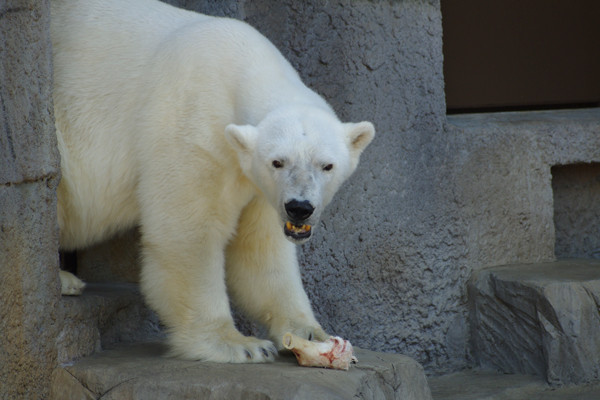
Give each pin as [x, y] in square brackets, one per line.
[27, 140]
[143, 372]
[105, 314]
[29, 286]
[541, 319]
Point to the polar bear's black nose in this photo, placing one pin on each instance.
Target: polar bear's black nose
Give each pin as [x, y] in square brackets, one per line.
[299, 210]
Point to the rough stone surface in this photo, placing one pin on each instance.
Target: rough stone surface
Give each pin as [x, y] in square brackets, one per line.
[27, 145]
[486, 385]
[502, 174]
[479, 385]
[29, 287]
[105, 314]
[144, 372]
[541, 319]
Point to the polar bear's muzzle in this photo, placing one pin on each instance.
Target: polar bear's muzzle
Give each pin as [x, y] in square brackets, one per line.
[298, 212]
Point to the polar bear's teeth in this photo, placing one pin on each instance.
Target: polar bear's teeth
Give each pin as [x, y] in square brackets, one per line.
[303, 228]
[297, 229]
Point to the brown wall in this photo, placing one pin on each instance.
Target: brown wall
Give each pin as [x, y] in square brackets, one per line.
[515, 53]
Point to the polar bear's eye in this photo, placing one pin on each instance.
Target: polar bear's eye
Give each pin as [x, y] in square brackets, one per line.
[328, 167]
[277, 164]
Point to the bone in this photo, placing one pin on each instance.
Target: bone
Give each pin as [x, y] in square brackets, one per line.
[335, 353]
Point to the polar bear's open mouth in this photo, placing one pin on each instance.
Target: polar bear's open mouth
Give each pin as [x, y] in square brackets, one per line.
[297, 231]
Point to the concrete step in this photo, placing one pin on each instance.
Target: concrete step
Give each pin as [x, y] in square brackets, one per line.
[142, 371]
[538, 319]
[105, 314]
[480, 385]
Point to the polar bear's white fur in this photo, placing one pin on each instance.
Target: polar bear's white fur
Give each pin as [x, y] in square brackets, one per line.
[198, 130]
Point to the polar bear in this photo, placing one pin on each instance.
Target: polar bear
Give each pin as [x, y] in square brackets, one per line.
[196, 129]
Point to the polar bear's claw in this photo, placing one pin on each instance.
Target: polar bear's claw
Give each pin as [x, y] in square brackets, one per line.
[254, 353]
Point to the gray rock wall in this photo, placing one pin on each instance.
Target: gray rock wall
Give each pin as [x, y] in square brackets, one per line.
[29, 287]
[503, 179]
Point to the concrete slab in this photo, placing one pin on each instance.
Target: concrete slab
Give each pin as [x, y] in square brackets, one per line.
[142, 371]
[477, 385]
[482, 385]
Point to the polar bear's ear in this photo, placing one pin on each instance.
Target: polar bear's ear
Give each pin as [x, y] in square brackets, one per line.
[241, 137]
[359, 135]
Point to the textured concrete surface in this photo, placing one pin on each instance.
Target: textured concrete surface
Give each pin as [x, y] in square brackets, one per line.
[28, 145]
[541, 319]
[481, 385]
[503, 181]
[144, 372]
[29, 287]
[105, 314]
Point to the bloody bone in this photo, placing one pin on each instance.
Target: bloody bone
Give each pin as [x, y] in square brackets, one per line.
[335, 352]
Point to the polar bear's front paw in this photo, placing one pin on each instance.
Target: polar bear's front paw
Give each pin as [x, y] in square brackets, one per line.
[225, 345]
[70, 285]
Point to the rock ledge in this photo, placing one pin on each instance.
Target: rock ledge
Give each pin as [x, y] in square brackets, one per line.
[142, 371]
[540, 319]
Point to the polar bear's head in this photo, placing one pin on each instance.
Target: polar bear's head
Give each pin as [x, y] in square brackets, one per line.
[298, 158]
